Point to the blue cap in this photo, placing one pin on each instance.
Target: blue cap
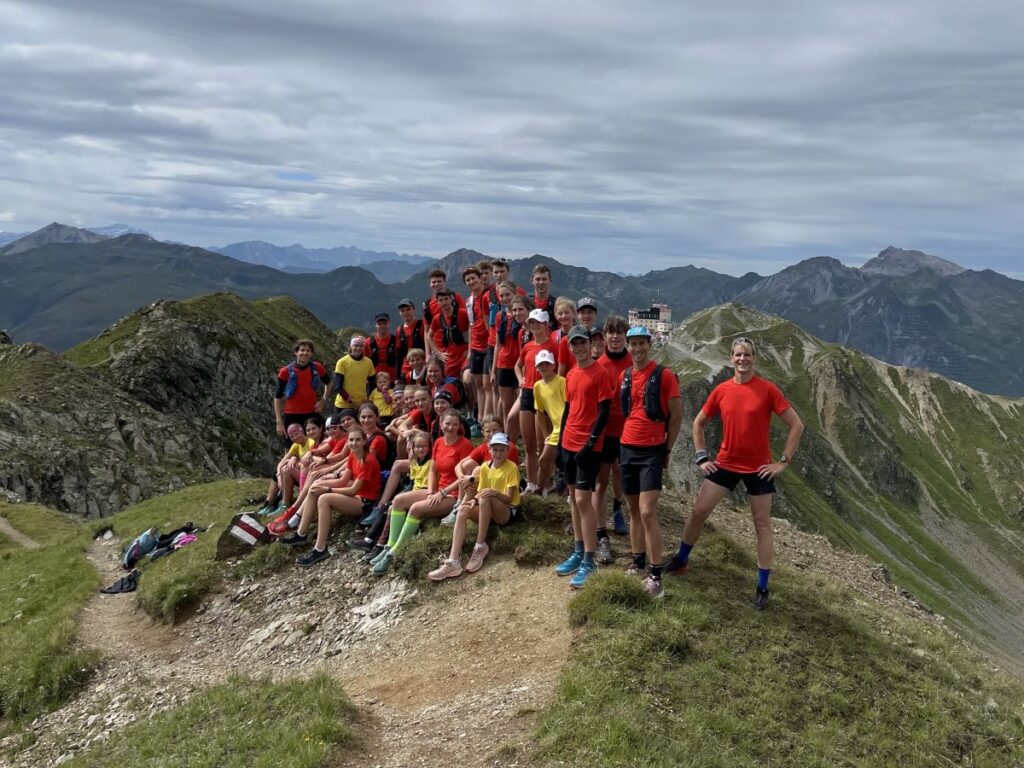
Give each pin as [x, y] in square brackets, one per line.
[638, 331]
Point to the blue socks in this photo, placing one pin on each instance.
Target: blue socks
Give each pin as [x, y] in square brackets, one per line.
[578, 547]
[762, 577]
[684, 551]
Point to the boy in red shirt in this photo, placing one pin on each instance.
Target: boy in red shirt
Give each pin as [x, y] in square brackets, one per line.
[653, 413]
[295, 399]
[382, 347]
[449, 333]
[475, 376]
[432, 308]
[617, 359]
[526, 371]
[589, 389]
[746, 403]
[542, 298]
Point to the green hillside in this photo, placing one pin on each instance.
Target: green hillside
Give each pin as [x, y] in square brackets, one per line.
[918, 472]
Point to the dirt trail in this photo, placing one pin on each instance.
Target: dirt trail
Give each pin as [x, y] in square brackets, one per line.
[460, 681]
[17, 536]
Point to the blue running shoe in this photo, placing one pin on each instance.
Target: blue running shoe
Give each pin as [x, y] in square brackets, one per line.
[570, 564]
[585, 569]
[619, 523]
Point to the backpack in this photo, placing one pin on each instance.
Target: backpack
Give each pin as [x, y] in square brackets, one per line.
[652, 394]
[450, 331]
[141, 545]
[390, 452]
[390, 359]
[455, 386]
[506, 326]
[293, 379]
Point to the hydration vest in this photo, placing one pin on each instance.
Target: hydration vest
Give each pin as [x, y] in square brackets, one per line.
[450, 332]
[652, 394]
[390, 359]
[505, 327]
[293, 379]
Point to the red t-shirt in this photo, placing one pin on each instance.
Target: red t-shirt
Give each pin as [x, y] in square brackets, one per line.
[445, 458]
[367, 470]
[746, 411]
[458, 328]
[378, 446]
[482, 453]
[493, 310]
[508, 352]
[584, 389]
[432, 308]
[337, 444]
[380, 358]
[638, 429]
[418, 421]
[476, 307]
[305, 397]
[564, 356]
[616, 366]
[528, 357]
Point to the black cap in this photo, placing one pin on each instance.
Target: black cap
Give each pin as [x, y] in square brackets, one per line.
[406, 303]
[381, 316]
[579, 332]
[443, 394]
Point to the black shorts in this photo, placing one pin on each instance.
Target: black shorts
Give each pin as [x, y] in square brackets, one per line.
[582, 474]
[489, 360]
[507, 378]
[477, 361]
[642, 467]
[526, 401]
[514, 516]
[610, 452]
[756, 485]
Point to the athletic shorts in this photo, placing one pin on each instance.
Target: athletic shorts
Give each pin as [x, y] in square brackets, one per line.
[507, 378]
[581, 473]
[642, 467]
[610, 452]
[526, 401]
[756, 485]
[477, 361]
[514, 516]
[489, 360]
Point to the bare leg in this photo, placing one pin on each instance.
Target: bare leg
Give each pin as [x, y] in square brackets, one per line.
[528, 425]
[761, 506]
[547, 466]
[325, 505]
[601, 494]
[507, 398]
[512, 422]
[707, 499]
[459, 534]
[490, 509]
[651, 530]
[637, 537]
[588, 519]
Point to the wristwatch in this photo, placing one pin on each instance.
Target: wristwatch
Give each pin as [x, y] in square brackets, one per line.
[784, 459]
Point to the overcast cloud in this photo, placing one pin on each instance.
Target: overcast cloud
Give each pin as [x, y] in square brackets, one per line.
[625, 136]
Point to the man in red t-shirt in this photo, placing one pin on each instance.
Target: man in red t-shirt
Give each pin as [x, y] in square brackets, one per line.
[589, 389]
[476, 377]
[432, 308]
[526, 371]
[746, 403]
[382, 347]
[649, 430]
[410, 334]
[449, 333]
[295, 399]
[542, 298]
[617, 359]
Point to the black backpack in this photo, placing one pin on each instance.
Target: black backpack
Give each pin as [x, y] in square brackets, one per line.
[652, 394]
[390, 358]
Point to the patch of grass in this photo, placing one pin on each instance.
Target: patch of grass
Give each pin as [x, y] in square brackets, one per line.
[701, 679]
[264, 561]
[171, 586]
[243, 723]
[40, 594]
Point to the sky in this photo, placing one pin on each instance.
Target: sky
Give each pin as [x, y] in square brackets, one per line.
[623, 136]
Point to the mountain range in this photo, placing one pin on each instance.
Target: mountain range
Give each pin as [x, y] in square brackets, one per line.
[904, 306]
[389, 267]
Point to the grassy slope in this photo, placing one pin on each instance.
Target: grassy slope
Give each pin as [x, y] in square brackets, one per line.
[701, 679]
[40, 594]
[242, 723]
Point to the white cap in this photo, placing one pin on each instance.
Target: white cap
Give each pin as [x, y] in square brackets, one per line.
[544, 356]
[499, 438]
[540, 315]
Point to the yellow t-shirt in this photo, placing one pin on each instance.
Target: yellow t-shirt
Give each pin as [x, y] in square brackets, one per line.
[419, 474]
[356, 373]
[299, 450]
[383, 408]
[500, 479]
[550, 399]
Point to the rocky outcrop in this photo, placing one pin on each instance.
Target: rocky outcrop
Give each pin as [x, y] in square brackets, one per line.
[5, 338]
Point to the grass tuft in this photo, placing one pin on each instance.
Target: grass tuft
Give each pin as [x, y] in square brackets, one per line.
[610, 598]
[239, 724]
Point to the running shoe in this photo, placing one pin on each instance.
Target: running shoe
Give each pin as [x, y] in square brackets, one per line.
[370, 556]
[619, 523]
[449, 569]
[278, 528]
[760, 598]
[313, 557]
[676, 567]
[570, 564]
[295, 540]
[635, 570]
[585, 569]
[361, 543]
[449, 519]
[383, 564]
[476, 560]
[653, 587]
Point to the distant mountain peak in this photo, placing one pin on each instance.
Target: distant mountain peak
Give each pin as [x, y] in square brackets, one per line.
[898, 262]
[52, 233]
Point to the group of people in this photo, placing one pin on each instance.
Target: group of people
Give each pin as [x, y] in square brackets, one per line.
[589, 406]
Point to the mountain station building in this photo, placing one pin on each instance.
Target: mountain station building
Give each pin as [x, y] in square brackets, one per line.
[658, 319]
